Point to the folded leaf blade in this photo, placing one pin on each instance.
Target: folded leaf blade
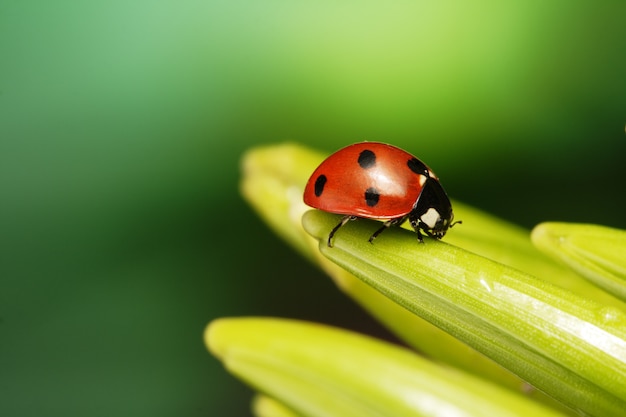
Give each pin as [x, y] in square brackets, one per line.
[559, 342]
[319, 371]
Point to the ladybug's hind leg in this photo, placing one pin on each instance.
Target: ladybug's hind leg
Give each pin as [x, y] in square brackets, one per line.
[343, 221]
[386, 226]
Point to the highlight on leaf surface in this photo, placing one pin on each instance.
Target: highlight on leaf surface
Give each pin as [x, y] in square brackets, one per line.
[596, 252]
[316, 370]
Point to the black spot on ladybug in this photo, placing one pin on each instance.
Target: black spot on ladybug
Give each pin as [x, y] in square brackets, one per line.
[320, 182]
[417, 166]
[371, 197]
[367, 159]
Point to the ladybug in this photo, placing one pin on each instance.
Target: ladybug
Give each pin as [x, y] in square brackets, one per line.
[374, 180]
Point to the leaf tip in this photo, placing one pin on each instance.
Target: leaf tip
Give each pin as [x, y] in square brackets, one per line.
[215, 337]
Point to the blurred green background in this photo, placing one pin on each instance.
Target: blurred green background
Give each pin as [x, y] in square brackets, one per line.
[122, 232]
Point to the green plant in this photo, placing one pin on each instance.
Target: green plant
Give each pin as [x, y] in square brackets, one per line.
[528, 335]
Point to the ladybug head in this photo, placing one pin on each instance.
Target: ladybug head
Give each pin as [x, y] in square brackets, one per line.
[434, 223]
[432, 212]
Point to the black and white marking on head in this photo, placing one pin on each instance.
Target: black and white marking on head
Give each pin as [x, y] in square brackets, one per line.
[418, 167]
[320, 182]
[430, 218]
[367, 159]
[372, 196]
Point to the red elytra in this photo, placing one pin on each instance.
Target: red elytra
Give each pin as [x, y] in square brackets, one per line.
[375, 180]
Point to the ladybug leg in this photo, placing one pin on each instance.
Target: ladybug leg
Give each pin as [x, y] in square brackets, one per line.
[416, 225]
[343, 221]
[386, 226]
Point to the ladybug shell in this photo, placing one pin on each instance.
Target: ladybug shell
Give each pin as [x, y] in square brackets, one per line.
[370, 180]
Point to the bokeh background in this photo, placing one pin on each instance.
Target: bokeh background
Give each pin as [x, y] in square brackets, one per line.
[122, 231]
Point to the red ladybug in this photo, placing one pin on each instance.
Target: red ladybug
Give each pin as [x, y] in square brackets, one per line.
[374, 180]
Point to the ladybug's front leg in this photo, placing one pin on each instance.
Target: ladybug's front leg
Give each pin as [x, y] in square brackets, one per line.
[416, 224]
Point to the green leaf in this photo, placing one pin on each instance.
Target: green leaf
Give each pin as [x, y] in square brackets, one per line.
[596, 252]
[273, 179]
[264, 406]
[316, 370]
[570, 347]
